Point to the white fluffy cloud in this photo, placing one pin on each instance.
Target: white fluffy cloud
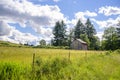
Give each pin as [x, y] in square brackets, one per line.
[56, 0]
[107, 23]
[109, 10]
[4, 29]
[86, 13]
[82, 16]
[26, 13]
[9, 33]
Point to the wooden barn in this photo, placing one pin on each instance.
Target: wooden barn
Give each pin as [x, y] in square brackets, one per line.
[78, 44]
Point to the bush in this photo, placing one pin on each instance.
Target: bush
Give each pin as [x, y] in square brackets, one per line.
[52, 47]
[108, 52]
[117, 51]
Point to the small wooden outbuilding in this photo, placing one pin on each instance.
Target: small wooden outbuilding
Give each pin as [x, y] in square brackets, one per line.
[78, 44]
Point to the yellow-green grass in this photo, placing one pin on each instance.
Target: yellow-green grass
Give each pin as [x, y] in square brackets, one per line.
[54, 64]
[25, 55]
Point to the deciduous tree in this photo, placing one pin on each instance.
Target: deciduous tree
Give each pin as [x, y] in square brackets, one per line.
[110, 39]
[42, 42]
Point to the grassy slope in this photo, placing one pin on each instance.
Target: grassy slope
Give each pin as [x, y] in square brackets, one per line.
[9, 44]
[5, 43]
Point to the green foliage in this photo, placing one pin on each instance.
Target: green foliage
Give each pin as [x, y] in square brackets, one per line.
[79, 29]
[117, 51]
[59, 33]
[109, 32]
[52, 47]
[111, 40]
[118, 35]
[95, 43]
[108, 52]
[70, 37]
[42, 42]
[87, 33]
[84, 37]
[90, 30]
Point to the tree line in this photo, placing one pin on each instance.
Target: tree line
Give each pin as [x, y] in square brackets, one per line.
[86, 32]
[111, 38]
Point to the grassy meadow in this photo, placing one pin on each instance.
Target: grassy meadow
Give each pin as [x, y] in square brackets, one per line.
[25, 55]
[16, 63]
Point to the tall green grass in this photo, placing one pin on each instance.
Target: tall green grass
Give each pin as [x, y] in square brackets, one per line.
[96, 67]
[54, 64]
[14, 71]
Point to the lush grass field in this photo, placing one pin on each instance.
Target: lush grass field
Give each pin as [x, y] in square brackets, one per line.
[58, 64]
[24, 55]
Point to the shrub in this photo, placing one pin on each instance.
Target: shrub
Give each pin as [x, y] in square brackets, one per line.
[117, 51]
[52, 47]
[108, 52]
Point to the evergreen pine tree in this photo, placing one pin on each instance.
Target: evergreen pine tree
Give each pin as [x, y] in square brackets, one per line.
[79, 29]
[59, 33]
[118, 35]
[90, 31]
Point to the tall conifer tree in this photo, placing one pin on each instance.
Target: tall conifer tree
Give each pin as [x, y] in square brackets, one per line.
[79, 29]
[59, 33]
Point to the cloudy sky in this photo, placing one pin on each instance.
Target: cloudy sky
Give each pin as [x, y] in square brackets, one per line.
[30, 21]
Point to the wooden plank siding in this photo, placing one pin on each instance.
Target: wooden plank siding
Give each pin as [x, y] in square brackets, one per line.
[78, 44]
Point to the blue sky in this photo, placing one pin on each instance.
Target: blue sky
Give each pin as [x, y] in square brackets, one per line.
[30, 21]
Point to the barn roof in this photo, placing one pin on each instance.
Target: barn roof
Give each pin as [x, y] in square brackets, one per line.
[81, 41]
